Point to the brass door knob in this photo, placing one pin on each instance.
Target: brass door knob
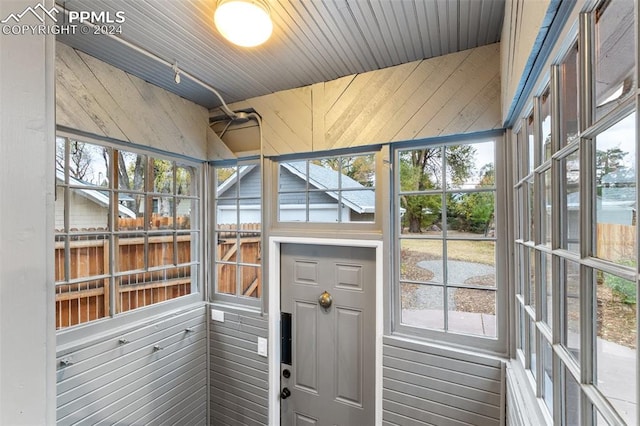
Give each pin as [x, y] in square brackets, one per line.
[325, 300]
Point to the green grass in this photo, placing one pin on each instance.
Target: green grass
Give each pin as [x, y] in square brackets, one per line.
[468, 251]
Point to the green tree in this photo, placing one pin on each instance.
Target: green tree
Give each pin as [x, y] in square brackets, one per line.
[608, 161]
[423, 169]
[360, 168]
[474, 211]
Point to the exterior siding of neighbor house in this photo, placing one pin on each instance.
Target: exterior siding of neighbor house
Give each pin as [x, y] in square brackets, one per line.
[323, 207]
[85, 212]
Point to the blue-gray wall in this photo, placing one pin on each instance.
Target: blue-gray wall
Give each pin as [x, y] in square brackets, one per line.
[238, 375]
[432, 385]
[158, 376]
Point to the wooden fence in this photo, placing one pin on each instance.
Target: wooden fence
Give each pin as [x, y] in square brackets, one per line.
[616, 242]
[81, 300]
[85, 297]
[245, 242]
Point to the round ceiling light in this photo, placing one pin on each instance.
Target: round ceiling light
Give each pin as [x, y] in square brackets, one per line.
[246, 23]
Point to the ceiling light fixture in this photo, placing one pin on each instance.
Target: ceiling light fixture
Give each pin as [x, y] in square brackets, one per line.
[246, 23]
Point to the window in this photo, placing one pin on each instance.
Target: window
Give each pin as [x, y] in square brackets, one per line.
[446, 244]
[126, 229]
[238, 232]
[584, 256]
[328, 190]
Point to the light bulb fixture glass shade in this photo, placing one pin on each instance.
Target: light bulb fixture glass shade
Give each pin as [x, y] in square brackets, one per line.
[246, 23]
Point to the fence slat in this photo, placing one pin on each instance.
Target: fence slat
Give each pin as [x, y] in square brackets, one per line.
[89, 258]
[616, 242]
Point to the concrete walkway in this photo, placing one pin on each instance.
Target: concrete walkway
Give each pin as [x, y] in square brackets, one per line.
[457, 271]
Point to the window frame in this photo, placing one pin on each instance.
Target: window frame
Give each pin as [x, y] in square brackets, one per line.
[321, 228]
[582, 368]
[113, 319]
[252, 303]
[488, 345]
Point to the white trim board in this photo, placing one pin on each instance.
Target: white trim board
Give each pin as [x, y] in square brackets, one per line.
[274, 316]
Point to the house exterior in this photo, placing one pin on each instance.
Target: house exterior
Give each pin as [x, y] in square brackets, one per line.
[89, 207]
[356, 204]
[206, 356]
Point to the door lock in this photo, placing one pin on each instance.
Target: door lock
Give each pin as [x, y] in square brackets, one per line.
[286, 393]
[286, 373]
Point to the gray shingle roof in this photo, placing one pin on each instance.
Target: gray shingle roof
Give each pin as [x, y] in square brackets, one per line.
[362, 200]
[358, 197]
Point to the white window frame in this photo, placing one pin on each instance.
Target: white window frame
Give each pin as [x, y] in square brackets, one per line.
[489, 345]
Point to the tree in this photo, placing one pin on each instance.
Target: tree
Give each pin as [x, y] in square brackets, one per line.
[474, 211]
[421, 170]
[79, 159]
[360, 168]
[608, 161]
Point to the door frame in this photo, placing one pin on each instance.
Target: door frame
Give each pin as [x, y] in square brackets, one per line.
[274, 316]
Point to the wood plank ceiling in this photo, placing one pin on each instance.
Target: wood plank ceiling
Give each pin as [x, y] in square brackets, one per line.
[312, 41]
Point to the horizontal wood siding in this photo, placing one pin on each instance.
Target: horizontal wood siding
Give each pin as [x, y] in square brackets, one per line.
[427, 385]
[153, 372]
[452, 94]
[97, 98]
[239, 376]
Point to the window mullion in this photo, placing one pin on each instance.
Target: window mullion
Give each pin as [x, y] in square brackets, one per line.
[445, 274]
[587, 213]
[67, 203]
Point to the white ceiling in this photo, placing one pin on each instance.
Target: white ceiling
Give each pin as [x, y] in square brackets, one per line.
[312, 41]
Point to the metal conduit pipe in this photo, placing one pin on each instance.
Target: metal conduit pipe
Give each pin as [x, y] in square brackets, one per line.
[171, 65]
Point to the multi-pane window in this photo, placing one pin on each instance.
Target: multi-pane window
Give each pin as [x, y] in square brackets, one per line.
[581, 252]
[446, 238]
[327, 190]
[126, 230]
[238, 232]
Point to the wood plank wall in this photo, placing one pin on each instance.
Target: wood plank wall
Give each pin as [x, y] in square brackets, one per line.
[424, 385]
[452, 94]
[152, 372]
[522, 21]
[97, 98]
[238, 375]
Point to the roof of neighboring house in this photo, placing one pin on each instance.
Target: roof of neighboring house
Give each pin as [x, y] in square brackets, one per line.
[622, 175]
[94, 195]
[361, 200]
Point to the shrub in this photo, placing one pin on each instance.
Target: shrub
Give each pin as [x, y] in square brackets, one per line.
[625, 289]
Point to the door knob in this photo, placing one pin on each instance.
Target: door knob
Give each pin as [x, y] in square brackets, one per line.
[286, 393]
[325, 300]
